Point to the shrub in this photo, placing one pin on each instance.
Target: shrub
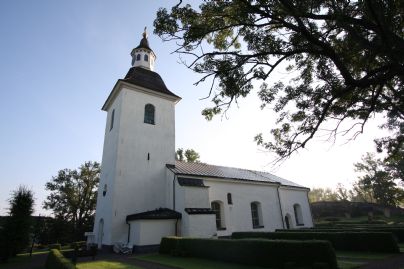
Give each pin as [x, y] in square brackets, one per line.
[56, 260]
[254, 252]
[398, 232]
[55, 246]
[351, 241]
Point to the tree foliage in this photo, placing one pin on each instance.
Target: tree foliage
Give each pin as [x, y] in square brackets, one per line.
[73, 197]
[17, 228]
[378, 182]
[330, 195]
[190, 155]
[346, 58]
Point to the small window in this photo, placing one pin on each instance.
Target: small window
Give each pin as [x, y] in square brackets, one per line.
[104, 192]
[218, 209]
[149, 114]
[146, 57]
[229, 199]
[138, 57]
[256, 215]
[112, 120]
[298, 214]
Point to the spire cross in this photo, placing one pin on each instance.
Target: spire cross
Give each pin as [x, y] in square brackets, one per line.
[145, 32]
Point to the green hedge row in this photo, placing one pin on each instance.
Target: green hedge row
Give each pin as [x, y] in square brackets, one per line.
[350, 241]
[254, 252]
[397, 232]
[56, 260]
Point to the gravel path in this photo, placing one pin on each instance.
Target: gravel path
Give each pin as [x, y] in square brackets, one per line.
[396, 262]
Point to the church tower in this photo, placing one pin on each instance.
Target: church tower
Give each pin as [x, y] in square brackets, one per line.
[139, 142]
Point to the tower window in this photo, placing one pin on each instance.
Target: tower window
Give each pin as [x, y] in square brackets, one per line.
[112, 120]
[146, 57]
[138, 57]
[229, 199]
[149, 114]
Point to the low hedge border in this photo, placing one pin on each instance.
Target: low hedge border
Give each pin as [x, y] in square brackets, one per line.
[255, 252]
[56, 260]
[349, 241]
[397, 232]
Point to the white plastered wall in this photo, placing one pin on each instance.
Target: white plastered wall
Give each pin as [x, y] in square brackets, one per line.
[237, 217]
[290, 196]
[150, 232]
[134, 160]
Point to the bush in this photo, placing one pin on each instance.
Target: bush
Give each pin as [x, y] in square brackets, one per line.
[55, 246]
[56, 260]
[254, 252]
[398, 232]
[349, 241]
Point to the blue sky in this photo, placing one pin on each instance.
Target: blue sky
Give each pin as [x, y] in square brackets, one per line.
[60, 59]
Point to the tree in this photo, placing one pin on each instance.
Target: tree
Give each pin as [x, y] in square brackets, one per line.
[378, 181]
[346, 58]
[322, 194]
[190, 155]
[73, 197]
[17, 228]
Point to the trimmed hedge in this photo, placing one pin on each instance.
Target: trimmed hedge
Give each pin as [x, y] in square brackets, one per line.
[56, 260]
[350, 241]
[397, 232]
[254, 252]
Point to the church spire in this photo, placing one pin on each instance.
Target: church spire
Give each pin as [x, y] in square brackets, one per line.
[143, 56]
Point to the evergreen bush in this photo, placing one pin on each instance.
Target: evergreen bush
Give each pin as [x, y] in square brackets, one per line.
[56, 260]
[348, 241]
[255, 252]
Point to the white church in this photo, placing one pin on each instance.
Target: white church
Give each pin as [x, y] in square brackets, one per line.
[145, 194]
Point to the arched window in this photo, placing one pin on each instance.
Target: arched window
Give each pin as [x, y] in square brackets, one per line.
[298, 214]
[149, 114]
[256, 215]
[138, 57]
[146, 57]
[217, 207]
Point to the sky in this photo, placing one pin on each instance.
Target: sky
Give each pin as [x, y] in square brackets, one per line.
[59, 61]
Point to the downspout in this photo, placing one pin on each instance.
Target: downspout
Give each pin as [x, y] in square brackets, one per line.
[128, 231]
[280, 206]
[176, 221]
[174, 192]
[311, 214]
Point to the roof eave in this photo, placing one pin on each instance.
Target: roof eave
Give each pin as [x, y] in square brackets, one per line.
[119, 85]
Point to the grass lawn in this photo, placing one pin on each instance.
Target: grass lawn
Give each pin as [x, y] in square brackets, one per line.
[103, 264]
[192, 263]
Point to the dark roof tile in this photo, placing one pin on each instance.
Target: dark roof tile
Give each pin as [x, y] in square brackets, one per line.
[208, 170]
[191, 182]
[147, 79]
[160, 213]
[199, 211]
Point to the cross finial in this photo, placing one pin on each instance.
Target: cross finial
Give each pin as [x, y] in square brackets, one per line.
[145, 32]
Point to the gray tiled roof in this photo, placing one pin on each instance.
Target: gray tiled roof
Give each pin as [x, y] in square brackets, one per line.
[148, 79]
[159, 213]
[208, 170]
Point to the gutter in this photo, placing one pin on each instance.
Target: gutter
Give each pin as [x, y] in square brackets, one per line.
[311, 214]
[128, 231]
[176, 221]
